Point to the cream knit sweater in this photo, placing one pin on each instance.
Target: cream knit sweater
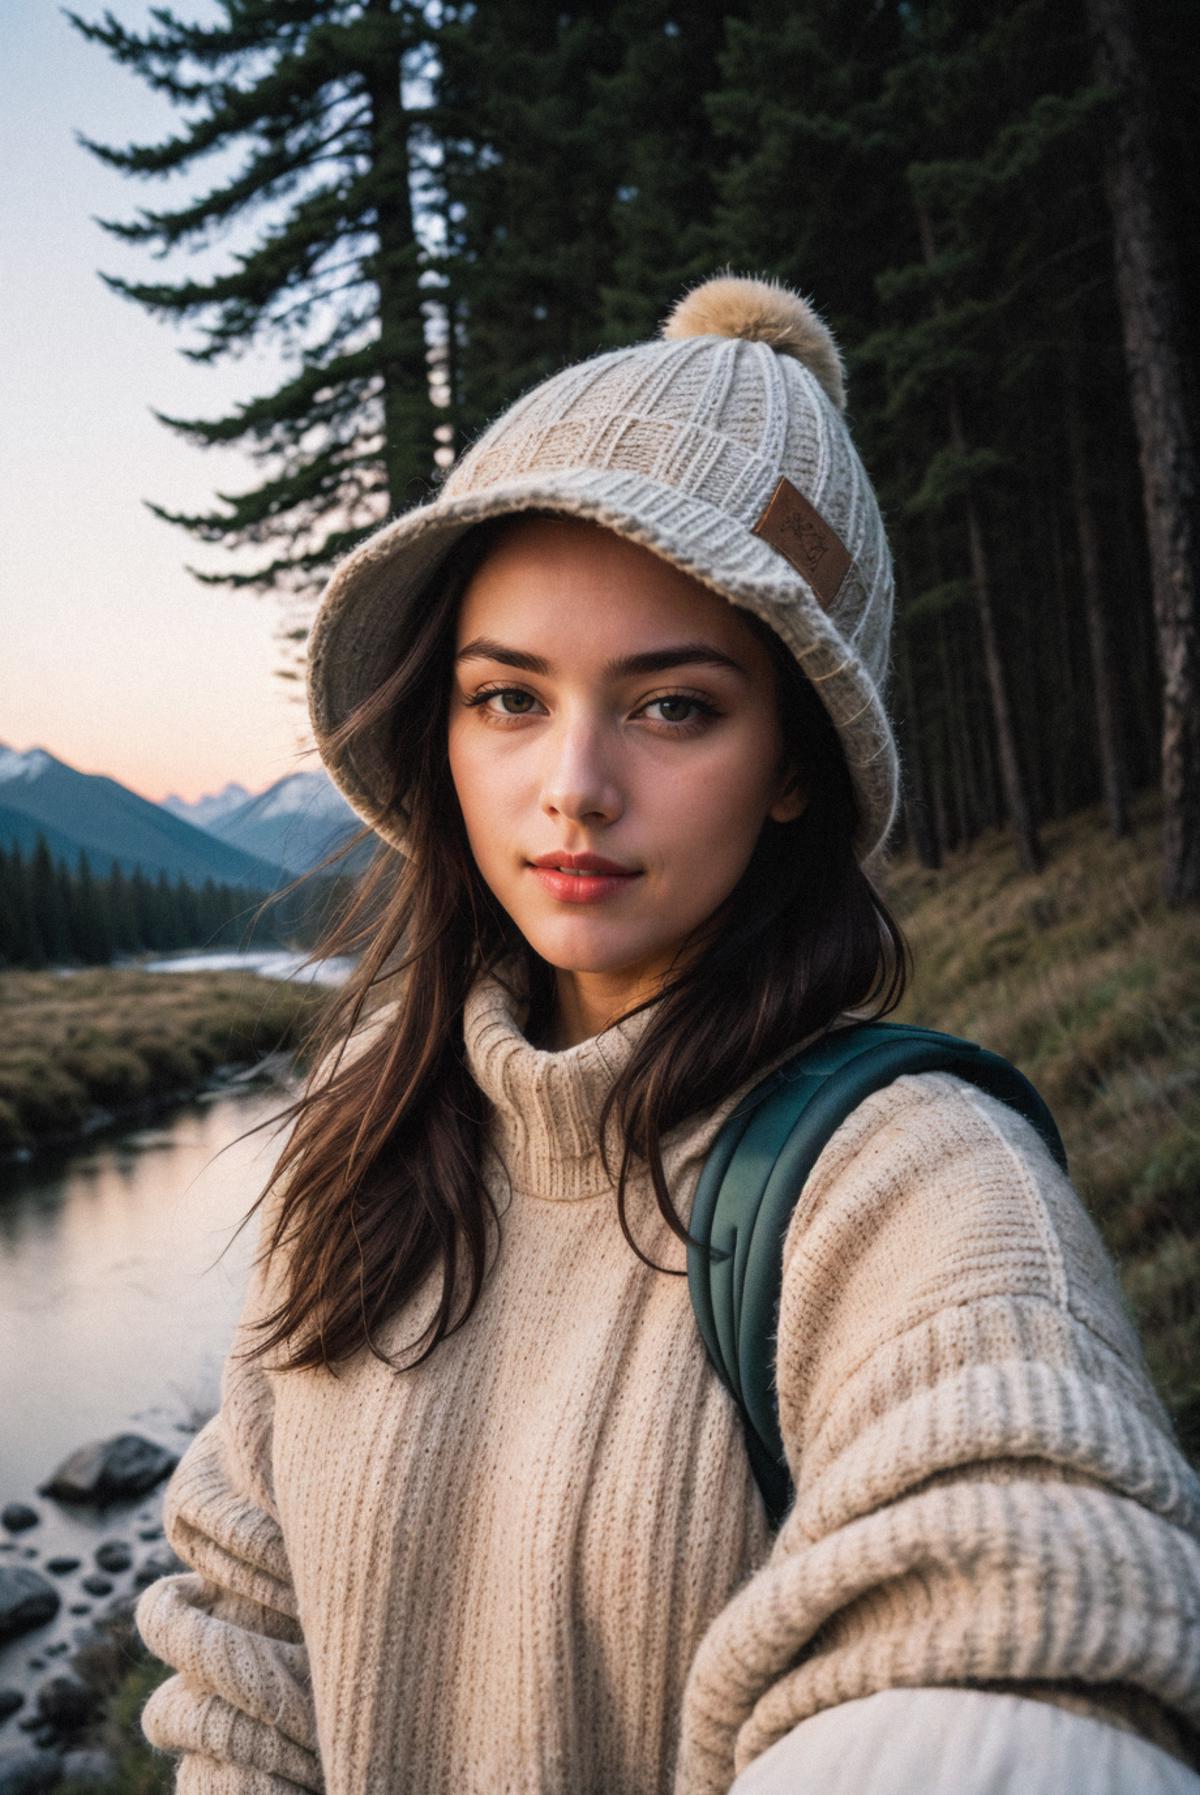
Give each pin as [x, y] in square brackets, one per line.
[538, 1564]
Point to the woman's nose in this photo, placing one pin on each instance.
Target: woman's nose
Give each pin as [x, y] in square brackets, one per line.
[579, 780]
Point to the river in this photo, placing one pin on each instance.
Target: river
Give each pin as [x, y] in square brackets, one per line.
[116, 1311]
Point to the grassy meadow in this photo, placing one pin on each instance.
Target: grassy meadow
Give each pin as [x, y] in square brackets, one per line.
[115, 1040]
[1080, 974]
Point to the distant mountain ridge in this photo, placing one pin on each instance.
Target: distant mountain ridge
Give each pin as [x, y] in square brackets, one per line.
[295, 823]
[90, 813]
[204, 812]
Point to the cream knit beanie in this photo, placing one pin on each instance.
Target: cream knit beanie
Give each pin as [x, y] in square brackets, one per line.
[722, 447]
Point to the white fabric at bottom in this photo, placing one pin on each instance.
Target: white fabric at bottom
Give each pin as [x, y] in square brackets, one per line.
[961, 1742]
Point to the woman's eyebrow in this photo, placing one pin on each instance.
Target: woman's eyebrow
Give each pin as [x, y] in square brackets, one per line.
[651, 660]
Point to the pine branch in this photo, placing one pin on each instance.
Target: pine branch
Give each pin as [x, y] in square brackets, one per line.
[269, 174]
[320, 392]
[241, 296]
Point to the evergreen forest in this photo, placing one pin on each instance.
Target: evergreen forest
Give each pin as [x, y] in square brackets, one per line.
[52, 914]
[433, 205]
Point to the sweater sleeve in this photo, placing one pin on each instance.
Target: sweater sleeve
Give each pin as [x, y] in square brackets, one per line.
[239, 1708]
[988, 1491]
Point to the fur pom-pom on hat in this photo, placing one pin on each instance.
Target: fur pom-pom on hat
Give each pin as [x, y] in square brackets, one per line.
[762, 311]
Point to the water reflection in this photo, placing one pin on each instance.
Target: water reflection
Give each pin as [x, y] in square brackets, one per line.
[116, 1312]
[114, 1302]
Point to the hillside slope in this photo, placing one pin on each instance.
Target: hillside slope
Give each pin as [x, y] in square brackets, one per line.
[110, 822]
[1084, 978]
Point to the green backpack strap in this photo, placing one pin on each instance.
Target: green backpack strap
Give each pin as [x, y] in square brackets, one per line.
[752, 1179]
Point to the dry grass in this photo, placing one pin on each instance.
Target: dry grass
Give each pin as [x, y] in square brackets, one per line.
[114, 1038]
[1083, 977]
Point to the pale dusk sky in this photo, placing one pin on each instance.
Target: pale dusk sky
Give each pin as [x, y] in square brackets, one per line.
[111, 655]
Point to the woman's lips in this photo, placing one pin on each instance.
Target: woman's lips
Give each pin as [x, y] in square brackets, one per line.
[582, 887]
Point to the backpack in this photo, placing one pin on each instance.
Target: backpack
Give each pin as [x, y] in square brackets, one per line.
[752, 1180]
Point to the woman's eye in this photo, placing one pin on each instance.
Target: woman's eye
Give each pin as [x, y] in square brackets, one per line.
[521, 708]
[672, 704]
[678, 712]
[674, 710]
[521, 701]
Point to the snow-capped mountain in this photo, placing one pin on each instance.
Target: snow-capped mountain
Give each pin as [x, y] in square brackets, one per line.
[296, 822]
[89, 813]
[206, 811]
[23, 766]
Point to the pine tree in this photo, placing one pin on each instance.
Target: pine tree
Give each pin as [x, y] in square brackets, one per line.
[91, 924]
[654, 111]
[121, 910]
[531, 160]
[1164, 395]
[52, 920]
[30, 947]
[318, 91]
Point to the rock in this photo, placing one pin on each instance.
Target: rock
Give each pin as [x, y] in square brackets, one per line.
[17, 1516]
[112, 1470]
[59, 1567]
[96, 1585]
[88, 1767]
[28, 1772]
[114, 1555]
[26, 1599]
[156, 1565]
[65, 1702]
[10, 1701]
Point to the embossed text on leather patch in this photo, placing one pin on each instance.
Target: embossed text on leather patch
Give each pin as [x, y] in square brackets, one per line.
[799, 532]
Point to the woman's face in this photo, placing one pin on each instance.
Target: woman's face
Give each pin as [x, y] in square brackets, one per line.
[605, 703]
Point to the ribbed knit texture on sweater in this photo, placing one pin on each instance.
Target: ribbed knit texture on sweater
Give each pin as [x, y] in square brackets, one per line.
[538, 1563]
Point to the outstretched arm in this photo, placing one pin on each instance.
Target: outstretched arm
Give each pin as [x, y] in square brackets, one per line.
[989, 1494]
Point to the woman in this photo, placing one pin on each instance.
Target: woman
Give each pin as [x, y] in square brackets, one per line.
[476, 1514]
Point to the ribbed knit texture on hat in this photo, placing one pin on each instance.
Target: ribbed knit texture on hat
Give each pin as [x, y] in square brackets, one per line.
[679, 445]
[538, 1562]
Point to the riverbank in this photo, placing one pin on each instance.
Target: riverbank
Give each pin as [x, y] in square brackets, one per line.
[112, 1045]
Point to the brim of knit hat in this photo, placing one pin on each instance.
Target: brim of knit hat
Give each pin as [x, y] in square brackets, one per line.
[366, 611]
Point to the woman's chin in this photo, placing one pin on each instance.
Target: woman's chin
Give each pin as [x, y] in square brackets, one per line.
[590, 947]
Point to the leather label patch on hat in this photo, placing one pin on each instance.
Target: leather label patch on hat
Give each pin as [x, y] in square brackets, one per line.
[799, 532]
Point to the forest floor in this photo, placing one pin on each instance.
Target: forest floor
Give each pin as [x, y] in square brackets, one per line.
[89, 1049]
[1083, 977]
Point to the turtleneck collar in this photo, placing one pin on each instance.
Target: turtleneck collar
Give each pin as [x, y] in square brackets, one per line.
[546, 1104]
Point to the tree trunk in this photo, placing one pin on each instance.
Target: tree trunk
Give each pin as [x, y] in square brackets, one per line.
[408, 411]
[1114, 773]
[958, 732]
[1149, 292]
[916, 800]
[1016, 795]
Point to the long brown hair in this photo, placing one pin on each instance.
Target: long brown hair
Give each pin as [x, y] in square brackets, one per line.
[381, 1177]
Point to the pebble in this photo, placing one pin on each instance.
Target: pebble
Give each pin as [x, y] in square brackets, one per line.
[17, 1516]
[60, 1566]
